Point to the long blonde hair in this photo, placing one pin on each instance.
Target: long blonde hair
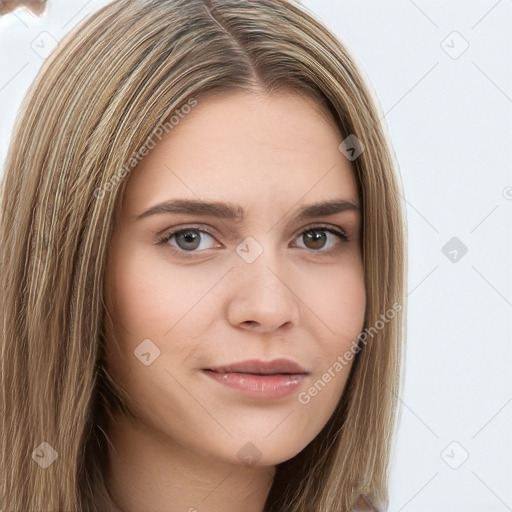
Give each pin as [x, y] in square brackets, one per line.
[101, 94]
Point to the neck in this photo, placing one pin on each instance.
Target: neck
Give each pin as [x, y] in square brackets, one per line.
[151, 472]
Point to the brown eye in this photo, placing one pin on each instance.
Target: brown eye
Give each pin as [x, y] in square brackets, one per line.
[316, 238]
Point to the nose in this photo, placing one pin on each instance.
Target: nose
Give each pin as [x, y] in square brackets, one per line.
[262, 296]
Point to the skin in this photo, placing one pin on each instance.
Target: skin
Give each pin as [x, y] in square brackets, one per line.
[271, 155]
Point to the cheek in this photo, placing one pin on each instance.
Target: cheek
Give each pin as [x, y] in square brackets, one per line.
[339, 300]
[153, 302]
[317, 401]
[150, 300]
[341, 306]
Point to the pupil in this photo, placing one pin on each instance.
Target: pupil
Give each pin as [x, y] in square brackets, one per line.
[190, 237]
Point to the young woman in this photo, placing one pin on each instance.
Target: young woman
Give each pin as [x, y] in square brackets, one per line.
[202, 269]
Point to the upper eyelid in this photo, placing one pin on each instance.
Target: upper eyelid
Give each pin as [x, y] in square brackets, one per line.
[213, 232]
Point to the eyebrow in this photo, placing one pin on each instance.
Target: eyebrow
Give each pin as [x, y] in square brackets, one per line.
[236, 213]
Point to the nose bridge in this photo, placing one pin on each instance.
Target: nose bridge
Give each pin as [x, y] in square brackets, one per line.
[259, 259]
[261, 292]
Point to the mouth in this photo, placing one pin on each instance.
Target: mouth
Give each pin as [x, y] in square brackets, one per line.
[280, 366]
[260, 379]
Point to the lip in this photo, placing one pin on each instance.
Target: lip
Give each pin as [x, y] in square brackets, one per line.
[260, 367]
[260, 379]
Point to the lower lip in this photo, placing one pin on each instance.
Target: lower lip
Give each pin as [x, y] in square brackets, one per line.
[259, 386]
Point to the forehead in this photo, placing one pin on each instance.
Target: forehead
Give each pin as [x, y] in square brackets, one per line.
[264, 151]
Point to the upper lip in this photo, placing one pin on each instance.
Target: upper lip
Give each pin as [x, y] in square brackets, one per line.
[257, 366]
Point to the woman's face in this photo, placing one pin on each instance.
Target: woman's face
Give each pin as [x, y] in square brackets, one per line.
[259, 286]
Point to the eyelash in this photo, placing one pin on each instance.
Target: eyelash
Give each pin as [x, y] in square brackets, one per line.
[164, 239]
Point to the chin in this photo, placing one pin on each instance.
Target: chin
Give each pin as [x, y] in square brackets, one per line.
[261, 452]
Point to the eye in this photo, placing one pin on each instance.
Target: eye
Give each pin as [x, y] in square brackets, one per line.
[188, 239]
[315, 238]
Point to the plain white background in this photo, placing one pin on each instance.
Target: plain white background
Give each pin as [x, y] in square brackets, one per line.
[442, 73]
